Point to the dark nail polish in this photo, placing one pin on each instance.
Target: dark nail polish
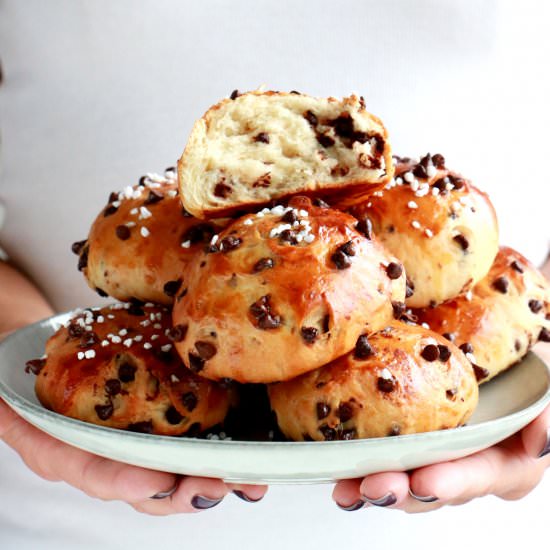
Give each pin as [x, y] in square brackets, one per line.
[546, 448]
[387, 500]
[203, 503]
[245, 497]
[165, 494]
[422, 499]
[353, 507]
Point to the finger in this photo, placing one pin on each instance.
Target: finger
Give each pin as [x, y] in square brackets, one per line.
[386, 489]
[347, 495]
[194, 494]
[96, 476]
[248, 493]
[536, 437]
[504, 470]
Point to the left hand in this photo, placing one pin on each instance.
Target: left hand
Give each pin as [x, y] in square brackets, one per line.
[509, 470]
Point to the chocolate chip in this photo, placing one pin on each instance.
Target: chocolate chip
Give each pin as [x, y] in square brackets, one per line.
[206, 350]
[222, 190]
[362, 347]
[145, 427]
[263, 181]
[171, 288]
[112, 197]
[449, 336]
[430, 352]
[101, 292]
[126, 372]
[340, 259]
[78, 246]
[480, 372]
[517, 345]
[394, 270]
[234, 94]
[325, 140]
[394, 430]
[343, 126]
[348, 248]
[262, 137]
[323, 410]
[385, 384]
[535, 305]
[311, 118]
[153, 197]
[348, 435]
[451, 394]
[439, 161]
[444, 353]
[229, 243]
[364, 227]
[34, 366]
[75, 330]
[172, 415]
[104, 412]
[112, 386]
[462, 241]
[83, 259]
[457, 182]
[516, 266]
[196, 363]
[189, 400]
[264, 263]
[288, 236]
[143, 181]
[544, 335]
[399, 309]
[261, 311]
[420, 171]
[88, 339]
[202, 232]
[409, 289]
[466, 347]
[122, 232]
[109, 210]
[177, 333]
[345, 411]
[501, 284]
[309, 334]
[328, 433]
[290, 217]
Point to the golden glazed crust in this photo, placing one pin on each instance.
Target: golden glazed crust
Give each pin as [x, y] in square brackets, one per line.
[438, 224]
[404, 379]
[502, 317]
[260, 146]
[284, 291]
[141, 242]
[116, 367]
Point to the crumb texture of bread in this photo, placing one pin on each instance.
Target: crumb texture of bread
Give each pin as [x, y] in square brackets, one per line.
[265, 145]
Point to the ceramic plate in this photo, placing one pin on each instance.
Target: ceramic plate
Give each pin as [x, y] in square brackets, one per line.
[507, 403]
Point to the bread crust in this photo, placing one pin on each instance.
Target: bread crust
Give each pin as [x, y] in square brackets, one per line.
[123, 373]
[392, 391]
[442, 228]
[270, 308]
[501, 318]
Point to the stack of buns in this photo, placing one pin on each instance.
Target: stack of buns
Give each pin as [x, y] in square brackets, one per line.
[365, 295]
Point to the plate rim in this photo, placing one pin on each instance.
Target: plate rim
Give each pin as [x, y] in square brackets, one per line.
[13, 399]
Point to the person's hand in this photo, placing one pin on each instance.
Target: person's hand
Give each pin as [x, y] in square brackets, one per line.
[148, 491]
[509, 470]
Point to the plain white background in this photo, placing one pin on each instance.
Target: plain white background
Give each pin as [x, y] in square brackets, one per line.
[96, 93]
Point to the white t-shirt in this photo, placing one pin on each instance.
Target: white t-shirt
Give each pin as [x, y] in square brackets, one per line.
[97, 93]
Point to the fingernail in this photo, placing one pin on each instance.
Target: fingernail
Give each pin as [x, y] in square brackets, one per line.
[245, 497]
[422, 499]
[353, 507]
[203, 503]
[387, 500]
[166, 494]
[546, 448]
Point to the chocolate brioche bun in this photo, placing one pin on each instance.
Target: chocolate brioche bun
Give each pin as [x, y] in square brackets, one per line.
[141, 242]
[501, 318]
[284, 291]
[438, 224]
[402, 380]
[116, 366]
[257, 147]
